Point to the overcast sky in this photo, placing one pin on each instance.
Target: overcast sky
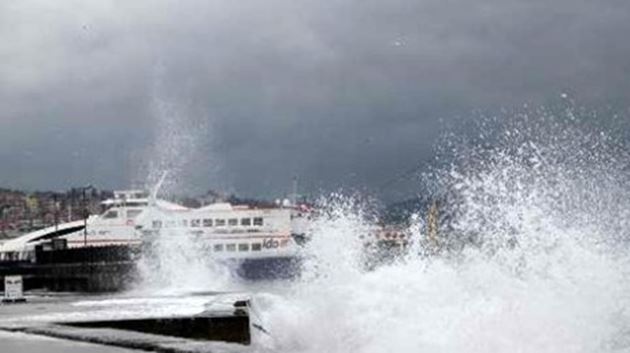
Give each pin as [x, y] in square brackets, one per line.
[242, 95]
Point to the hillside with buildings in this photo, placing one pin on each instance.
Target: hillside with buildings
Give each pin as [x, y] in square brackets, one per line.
[22, 212]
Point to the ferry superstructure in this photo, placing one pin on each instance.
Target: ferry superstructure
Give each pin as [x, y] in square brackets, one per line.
[226, 231]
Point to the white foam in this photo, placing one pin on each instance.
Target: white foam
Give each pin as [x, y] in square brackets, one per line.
[547, 273]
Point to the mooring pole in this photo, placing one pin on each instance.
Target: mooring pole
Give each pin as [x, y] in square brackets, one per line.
[84, 220]
[432, 225]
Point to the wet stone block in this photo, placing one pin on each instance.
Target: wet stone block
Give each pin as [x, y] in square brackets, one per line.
[233, 329]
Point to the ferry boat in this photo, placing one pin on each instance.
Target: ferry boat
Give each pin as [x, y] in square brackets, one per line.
[135, 218]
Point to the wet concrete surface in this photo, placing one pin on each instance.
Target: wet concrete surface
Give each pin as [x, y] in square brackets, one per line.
[26, 343]
[47, 315]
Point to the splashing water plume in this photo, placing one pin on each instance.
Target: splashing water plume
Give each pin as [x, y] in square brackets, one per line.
[175, 261]
[534, 222]
[334, 252]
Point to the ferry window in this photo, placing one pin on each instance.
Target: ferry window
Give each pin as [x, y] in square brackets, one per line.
[258, 221]
[230, 247]
[218, 247]
[133, 213]
[207, 222]
[184, 223]
[170, 224]
[195, 223]
[233, 222]
[256, 247]
[243, 247]
[157, 224]
[219, 222]
[246, 222]
[111, 214]
[135, 204]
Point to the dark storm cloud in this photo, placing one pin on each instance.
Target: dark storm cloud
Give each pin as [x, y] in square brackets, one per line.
[338, 92]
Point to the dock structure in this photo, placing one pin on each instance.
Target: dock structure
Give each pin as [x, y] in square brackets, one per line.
[103, 269]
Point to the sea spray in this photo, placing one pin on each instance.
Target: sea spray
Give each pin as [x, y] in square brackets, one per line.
[173, 260]
[335, 250]
[538, 209]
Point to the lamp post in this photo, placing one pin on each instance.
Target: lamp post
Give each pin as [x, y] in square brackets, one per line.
[85, 213]
[3, 219]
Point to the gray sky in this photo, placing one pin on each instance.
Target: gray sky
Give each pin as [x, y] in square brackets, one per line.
[242, 95]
